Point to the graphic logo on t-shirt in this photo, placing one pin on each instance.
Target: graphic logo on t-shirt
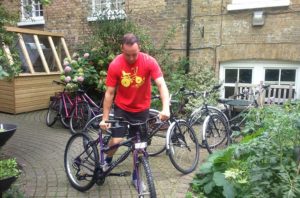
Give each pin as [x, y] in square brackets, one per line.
[131, 78]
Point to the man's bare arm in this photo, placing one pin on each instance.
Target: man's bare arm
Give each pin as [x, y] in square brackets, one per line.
[165, 98]
[107, 103]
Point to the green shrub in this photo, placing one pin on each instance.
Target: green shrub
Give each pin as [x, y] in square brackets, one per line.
[264, 164]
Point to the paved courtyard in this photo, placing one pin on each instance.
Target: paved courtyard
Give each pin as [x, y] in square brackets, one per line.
[40, 149]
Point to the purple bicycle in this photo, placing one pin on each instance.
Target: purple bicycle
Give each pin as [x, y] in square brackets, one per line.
[85, 166]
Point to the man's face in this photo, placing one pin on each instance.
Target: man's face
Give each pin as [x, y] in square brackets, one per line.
[130, 52]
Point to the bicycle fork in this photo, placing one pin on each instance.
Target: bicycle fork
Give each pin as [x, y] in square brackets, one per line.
[139, 152]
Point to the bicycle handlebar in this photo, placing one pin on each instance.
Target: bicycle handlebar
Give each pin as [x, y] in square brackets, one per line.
[118, 120]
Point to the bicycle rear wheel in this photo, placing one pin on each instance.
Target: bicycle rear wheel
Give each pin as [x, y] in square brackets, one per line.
[215, 133]
[53, 111]
[81, 160]
[80, 115]
[182, 146]
[146, 187]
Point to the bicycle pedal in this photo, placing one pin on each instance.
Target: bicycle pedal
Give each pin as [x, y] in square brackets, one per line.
[121, 174]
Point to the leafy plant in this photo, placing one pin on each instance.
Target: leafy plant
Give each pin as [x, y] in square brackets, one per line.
[79, 72]
[264, 164]
[13, 192]
[8, 168]
[8, 69]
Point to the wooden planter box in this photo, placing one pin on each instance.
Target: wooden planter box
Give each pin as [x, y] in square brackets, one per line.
[27, 93]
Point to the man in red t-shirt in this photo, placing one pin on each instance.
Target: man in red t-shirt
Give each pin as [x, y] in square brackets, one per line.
[129, 85]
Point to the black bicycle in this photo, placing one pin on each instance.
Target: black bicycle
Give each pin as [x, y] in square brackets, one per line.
[177, 137]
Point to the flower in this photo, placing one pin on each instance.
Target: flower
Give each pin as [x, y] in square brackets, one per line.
[86, 55]
[67, 69]
[79, 72]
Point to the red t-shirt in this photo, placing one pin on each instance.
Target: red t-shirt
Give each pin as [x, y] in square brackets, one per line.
[133, 82]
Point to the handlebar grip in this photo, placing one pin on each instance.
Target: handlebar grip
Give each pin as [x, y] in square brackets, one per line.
[155, 97]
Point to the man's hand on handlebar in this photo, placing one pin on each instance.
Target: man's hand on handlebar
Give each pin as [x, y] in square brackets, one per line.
[104, 125]
[164, 115]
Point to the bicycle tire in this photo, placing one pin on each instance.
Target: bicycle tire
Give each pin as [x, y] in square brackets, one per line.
[92, 127]
[196, 120]
[157, 143]
[79, 117]
[145, 175]
[53, 111]
[182, 146]
[81, 173]
[215, 133]
[63, 117]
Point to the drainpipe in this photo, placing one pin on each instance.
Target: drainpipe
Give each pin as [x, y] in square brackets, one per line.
[188, 35]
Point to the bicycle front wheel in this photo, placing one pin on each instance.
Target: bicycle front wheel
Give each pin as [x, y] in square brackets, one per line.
[215, 133]
[80, 115]
[145, 187]
[197, 119]
[53, 111]
[92, 128]
[65, 113]
[182, 146]
[156, 143]
[80, 160]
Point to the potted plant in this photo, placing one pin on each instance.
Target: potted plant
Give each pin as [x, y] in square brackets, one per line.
[9, 172]
[6, 131]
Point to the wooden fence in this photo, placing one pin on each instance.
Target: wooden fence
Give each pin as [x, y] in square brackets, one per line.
[277, 94]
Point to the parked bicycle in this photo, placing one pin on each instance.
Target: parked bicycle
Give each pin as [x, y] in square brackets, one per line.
[236, 118]
[212, 124]
[61, 105]
[73, 109]
[80, 117]
[85, 167]
[220, 136]
[180, 141]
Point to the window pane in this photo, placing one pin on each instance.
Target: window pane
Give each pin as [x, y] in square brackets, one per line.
[272, 75]
[229, 91]
[231, 75]
[245, 76]
[288, 75]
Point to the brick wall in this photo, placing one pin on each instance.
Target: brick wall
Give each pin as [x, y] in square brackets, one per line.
[216, 34]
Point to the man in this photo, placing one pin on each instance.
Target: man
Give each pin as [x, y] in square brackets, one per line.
[128, 84]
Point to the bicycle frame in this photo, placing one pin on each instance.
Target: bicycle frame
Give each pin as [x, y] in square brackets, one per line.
[66, 98]
[135, 146]
[174, 122]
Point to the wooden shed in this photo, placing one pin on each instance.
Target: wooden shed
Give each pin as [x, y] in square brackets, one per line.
[41, 54]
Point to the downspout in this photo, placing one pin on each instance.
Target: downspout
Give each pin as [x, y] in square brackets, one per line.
[188, 35]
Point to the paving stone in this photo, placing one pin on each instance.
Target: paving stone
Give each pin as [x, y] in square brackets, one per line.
[40, 151]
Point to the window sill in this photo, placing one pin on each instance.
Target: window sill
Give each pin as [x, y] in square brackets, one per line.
[31, 23]
[93, 18]
[258, 4]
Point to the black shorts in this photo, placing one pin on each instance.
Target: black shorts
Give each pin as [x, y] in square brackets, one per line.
[131, 117]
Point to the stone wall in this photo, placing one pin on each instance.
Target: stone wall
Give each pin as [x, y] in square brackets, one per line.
[216, 34]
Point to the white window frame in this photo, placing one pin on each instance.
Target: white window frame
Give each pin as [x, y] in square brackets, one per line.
[108, 10]
[258, 71]
[256, 4]
[31, 20]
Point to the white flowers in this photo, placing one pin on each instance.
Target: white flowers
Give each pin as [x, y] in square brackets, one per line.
[236, 175]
